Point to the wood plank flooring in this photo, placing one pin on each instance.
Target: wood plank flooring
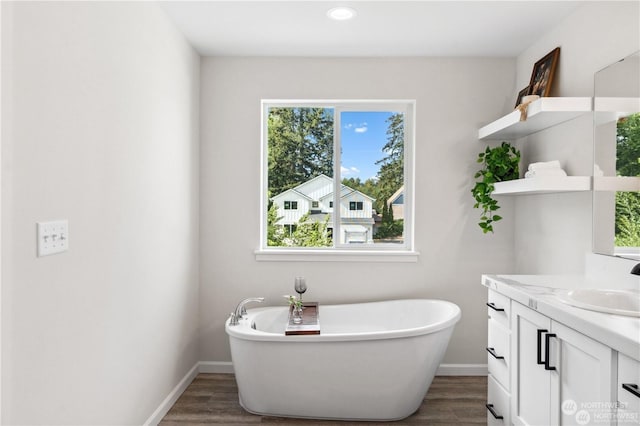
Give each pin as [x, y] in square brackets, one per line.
[213, 399]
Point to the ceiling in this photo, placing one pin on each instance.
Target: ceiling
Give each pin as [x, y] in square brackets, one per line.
[381, 28]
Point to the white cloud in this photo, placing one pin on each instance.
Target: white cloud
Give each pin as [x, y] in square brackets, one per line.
[346, 171]
[358, 128]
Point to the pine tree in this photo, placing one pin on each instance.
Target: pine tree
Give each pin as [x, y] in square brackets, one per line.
[391, 173]
[300, 146]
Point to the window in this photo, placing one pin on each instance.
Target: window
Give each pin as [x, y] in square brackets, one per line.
[352, 155]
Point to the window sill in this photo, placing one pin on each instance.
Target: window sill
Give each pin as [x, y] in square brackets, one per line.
[336, 255]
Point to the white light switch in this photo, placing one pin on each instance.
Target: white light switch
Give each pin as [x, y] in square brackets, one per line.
[53, 237]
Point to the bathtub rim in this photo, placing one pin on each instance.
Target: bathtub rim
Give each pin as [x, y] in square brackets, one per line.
[245, 332]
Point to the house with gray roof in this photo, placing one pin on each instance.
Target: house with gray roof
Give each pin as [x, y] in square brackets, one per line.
[316, 197]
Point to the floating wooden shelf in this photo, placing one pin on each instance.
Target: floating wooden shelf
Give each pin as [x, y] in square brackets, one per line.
[541, 114]
[543, 185]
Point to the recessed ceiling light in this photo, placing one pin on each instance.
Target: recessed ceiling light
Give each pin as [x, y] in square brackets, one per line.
[341, 13]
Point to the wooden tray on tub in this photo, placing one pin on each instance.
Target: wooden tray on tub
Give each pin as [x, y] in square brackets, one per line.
[310, 321]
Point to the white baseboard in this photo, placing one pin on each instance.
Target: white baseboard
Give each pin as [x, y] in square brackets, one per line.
[462, 370]
[200, 367]
[173, 396]
[224, 367]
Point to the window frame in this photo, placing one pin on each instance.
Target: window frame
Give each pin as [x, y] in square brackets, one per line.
[357, 206]
[344, 252]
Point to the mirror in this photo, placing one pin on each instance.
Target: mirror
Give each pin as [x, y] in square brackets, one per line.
[616, 173]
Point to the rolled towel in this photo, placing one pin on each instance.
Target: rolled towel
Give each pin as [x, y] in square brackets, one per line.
[555, 164]
[545, 172]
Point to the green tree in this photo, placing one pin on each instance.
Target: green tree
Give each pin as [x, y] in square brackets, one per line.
[300, 146]
[627, 222]
[628, 146]
[310, 233]
[627, 219]
[388, 217]
[275, 233]
[391, 173]
[368, 187]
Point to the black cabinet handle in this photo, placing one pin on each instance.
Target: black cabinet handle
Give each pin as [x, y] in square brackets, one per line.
[631, 388]
[493, 306]
[547, 338]
[492, 351]
[493, 412]
[540, 331]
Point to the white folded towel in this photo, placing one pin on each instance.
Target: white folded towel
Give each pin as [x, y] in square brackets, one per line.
[545, 172]
[555, 164]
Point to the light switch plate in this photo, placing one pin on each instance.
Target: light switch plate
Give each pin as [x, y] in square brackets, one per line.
[53, 237]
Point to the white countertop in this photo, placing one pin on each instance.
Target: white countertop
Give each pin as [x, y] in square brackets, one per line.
[622, 333]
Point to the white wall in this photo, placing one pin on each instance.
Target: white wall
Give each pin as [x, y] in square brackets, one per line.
[454, 98]
[99, 112]
[553, 232]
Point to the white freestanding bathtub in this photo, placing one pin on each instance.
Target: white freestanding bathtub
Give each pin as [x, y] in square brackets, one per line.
[372, 361]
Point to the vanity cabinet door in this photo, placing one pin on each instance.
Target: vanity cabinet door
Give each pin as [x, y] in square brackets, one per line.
[560, 376]
[581, 378]
[628, 388]
[530, 382]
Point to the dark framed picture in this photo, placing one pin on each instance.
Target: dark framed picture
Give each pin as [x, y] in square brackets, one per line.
[521, 94]
[542, 75]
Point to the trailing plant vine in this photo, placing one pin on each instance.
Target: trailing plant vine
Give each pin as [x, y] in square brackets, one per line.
[499, 164]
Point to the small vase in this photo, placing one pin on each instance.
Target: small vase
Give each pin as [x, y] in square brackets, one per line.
[296, 314]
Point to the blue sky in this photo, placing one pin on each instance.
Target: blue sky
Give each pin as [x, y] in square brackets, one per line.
[363, 136]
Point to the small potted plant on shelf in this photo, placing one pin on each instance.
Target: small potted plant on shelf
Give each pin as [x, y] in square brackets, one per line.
[498, 164]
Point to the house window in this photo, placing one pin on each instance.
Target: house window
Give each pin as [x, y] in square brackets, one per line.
[291, 205]
[356, 205]
[337, 151]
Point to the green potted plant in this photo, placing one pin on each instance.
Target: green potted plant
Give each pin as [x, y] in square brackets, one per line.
[498, 164]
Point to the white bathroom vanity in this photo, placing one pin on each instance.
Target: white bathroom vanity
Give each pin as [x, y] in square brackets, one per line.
[554, 364]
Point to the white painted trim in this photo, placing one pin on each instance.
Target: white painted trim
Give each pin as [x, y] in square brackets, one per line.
[173, 396]
[5, 33]
[338, 250]
[335, 255]
[220, 367]
[462, 370]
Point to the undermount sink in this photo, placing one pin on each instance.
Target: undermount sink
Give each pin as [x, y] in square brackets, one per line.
[619, 302]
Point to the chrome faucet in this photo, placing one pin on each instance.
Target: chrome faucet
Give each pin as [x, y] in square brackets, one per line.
[241, 311]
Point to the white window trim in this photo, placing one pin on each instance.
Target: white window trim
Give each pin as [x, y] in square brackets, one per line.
[287, 254]
[343, 252]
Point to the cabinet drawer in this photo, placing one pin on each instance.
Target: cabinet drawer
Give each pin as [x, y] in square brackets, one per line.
[498, 402]
[628, 376]
[498, 352]
[499, 307]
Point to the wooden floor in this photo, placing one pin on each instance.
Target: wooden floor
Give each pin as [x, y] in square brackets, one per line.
[213, 399]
